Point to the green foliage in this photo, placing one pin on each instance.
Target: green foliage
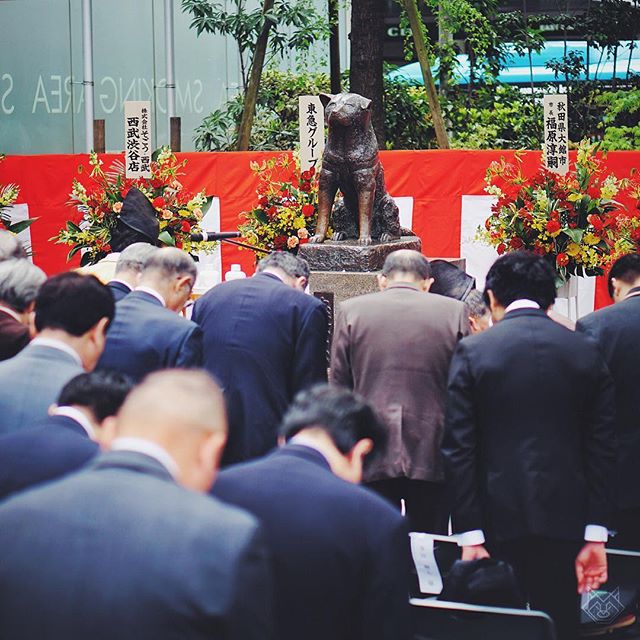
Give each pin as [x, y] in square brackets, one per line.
[621, 119]
[295, 25]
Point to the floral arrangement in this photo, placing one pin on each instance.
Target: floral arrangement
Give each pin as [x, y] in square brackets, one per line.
[286, 209]
[8, 195]
[98, 206]
[573, 220]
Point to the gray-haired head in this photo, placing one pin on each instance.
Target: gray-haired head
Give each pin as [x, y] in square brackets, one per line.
[170, 262]
[20, 281]
[134, 257]
[406, 263]
[293, 270]
[10, 246]
[476, 306]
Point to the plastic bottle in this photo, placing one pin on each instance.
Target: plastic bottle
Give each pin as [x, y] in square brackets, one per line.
[235, 273]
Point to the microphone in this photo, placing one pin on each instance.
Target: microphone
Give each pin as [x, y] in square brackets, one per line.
[212, 236]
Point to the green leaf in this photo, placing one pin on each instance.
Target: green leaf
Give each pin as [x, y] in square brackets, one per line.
[261, 215]
[207, 205]
[166, 238]
[574, 234]
[73, 227]
[75, 250]
[17, 227]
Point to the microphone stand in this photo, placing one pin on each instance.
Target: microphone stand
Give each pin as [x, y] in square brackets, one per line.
[244, 246]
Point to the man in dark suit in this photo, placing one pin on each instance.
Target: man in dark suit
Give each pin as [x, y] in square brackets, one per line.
[72, 314]
[394, 348]
[616, 329]
[20, 281]
[340, 551]
[128, 548]
[148, 333]
[129, 268]
[67, 439]
[264, 340]
[529, 443]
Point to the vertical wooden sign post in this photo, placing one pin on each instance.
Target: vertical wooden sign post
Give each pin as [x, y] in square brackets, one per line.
[137, 139]
[311, 116]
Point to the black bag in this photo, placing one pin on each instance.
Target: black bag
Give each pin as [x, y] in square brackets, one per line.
[486, 582]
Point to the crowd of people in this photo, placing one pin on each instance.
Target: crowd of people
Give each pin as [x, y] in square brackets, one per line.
[221, 477]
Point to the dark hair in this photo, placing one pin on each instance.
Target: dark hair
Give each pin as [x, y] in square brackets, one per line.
[407, 261]
[521, 274]
[345, 416]
[73, 303]
[102, 392]
[626, 269]
[293, 266]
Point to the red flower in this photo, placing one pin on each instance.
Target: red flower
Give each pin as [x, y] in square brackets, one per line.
[304, 240]
[279, 242]
[178, 243]
[263, 202]
[306, 175]
[308, 210]
[539, 250]
[185, 226]
[596, 222]
[158, 203]
[553, 226]
[501, 248]
[306, 187]
[156, 183]
[562, 259]
[106, 248]
[272, 211]
[635, 234]
[516, 243]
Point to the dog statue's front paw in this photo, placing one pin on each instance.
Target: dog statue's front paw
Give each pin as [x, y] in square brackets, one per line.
[317, 239]
[365, 240]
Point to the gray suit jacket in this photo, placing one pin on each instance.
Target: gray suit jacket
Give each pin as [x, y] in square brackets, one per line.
[119, 550]
[394, 348]
[30, 382]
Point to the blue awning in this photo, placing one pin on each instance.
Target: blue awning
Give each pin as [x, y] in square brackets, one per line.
[517, 70]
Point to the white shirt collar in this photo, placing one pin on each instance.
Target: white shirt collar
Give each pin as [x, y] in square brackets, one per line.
[79, 417]
[305, 441]
[270, 273]
[126, 284]
[57, 344]
[10, 312]
[523, 303]
[148, 448]
[152, 292]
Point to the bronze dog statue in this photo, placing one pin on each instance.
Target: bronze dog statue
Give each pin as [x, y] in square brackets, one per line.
[351, 163]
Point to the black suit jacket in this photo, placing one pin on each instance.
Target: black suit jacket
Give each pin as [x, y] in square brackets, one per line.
[146, 337]
[14, 336]
[529, 437]
[118, 289]
[340, 551]
[263, 341]
[616, 329]
[57, 446]
[119, 550]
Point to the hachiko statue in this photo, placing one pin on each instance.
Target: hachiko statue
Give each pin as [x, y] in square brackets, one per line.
[351, 163]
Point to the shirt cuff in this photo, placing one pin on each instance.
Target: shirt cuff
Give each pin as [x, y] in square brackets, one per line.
[596, 533]
[470, 538]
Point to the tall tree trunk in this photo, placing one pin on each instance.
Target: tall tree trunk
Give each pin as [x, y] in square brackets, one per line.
[365, 74]
[334, 46]
[417, 29]
[251, 92]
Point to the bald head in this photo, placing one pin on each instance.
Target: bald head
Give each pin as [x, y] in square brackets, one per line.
[184, 413]
[406, 265]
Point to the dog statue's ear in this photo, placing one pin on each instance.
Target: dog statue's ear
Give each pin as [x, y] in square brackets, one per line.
[326, 98]
[365, 103]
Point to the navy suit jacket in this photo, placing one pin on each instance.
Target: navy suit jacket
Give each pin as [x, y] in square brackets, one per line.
[529, 437]
[145, 336]
[263, 341]
[30, 383]
[616, 329]
[340, 552]
[119, 550]
[118, 289]
[57, 446]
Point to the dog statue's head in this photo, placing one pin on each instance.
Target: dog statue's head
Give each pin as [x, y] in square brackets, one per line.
[346, 109]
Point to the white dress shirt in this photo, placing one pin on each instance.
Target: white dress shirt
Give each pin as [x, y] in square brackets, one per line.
[10, 312]
[152, 292]
[592, 532]
[52, 343]
[79, 417]
[148, 448]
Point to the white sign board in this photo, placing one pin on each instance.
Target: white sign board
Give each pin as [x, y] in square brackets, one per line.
[311, 115]
[556, 133]
[137, 138]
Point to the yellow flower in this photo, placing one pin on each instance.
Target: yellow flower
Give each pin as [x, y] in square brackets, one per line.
[591, 238]
[299, 222]
[574, 197]
[573, 249]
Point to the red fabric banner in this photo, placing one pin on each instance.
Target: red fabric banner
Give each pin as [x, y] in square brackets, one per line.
[436, 180]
